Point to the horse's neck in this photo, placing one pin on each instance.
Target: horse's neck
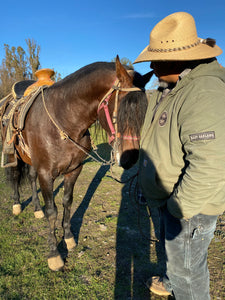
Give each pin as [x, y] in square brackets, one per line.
[79, 111]
[85, 102]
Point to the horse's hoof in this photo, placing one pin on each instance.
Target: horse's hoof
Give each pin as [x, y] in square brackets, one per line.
[55, 263]
[70, 243]
[39, 214]
[17, 209]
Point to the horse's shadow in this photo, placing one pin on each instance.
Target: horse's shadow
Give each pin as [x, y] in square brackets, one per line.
[77, 218]
[27, 202]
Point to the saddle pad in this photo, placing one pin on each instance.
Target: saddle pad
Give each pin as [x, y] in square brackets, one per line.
[24, 106]
[4, 103]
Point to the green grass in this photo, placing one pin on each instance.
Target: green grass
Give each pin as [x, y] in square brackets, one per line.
[112, 259]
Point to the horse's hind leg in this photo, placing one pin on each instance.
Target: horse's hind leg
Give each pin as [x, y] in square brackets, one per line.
[55, 261]
[15, 182]
[38, 212]
[69, 182]
[13, 175]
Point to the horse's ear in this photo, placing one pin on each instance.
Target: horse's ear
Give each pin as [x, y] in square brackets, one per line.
[146, 77]
[122, 75]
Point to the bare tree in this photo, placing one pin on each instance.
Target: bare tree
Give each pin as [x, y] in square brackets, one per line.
[124, 61]
[33, 56]
[18, 65]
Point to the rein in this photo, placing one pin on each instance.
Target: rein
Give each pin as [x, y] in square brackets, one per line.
[65, 136]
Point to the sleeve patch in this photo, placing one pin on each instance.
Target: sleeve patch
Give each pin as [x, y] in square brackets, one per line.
[209, 135]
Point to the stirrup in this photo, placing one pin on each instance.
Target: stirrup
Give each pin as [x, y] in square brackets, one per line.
[5, 164]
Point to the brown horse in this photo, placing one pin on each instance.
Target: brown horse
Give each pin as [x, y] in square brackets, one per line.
[56, 133]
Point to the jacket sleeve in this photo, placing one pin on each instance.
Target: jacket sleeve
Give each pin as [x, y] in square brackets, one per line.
[201, 125]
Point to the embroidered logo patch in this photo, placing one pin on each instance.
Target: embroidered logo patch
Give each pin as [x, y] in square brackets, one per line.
[163, 119]
[209, 135]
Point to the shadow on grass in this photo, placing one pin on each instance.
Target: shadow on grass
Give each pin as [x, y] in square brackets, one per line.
[77, 218]
[103, 151]
[25, 203]
[134, 264]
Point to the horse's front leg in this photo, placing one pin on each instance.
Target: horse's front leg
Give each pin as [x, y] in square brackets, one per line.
[69, 182]
[38, 212]
[55, 261]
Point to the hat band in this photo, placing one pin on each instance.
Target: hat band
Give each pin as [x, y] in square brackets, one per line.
[174, 49]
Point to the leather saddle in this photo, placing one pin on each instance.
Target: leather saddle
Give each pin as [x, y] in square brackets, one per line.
[13, 111]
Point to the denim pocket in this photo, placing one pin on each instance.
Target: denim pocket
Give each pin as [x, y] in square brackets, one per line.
[201, 233]
[203, 226]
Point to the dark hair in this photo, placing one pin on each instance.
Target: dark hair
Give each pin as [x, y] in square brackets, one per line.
[194, 63]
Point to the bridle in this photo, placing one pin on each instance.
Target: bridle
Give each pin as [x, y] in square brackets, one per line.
[112, 123]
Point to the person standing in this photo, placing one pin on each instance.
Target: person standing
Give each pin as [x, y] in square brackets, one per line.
[182, 152]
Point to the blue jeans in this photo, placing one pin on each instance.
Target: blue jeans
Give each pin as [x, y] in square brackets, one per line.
[186, 245]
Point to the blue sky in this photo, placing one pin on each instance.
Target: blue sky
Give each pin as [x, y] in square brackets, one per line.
[74, 33]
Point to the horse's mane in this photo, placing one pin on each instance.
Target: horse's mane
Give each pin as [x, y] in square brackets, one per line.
[131, 113]
[132, 109]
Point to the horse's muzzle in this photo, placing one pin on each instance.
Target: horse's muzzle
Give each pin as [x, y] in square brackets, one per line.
[129, 158]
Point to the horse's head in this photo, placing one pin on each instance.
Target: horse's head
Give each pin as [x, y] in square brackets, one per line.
[125, 106]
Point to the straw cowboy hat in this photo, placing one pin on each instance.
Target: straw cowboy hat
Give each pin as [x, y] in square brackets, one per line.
[175, 38]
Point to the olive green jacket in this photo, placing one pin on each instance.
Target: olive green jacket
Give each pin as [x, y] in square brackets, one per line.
[182, 150]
